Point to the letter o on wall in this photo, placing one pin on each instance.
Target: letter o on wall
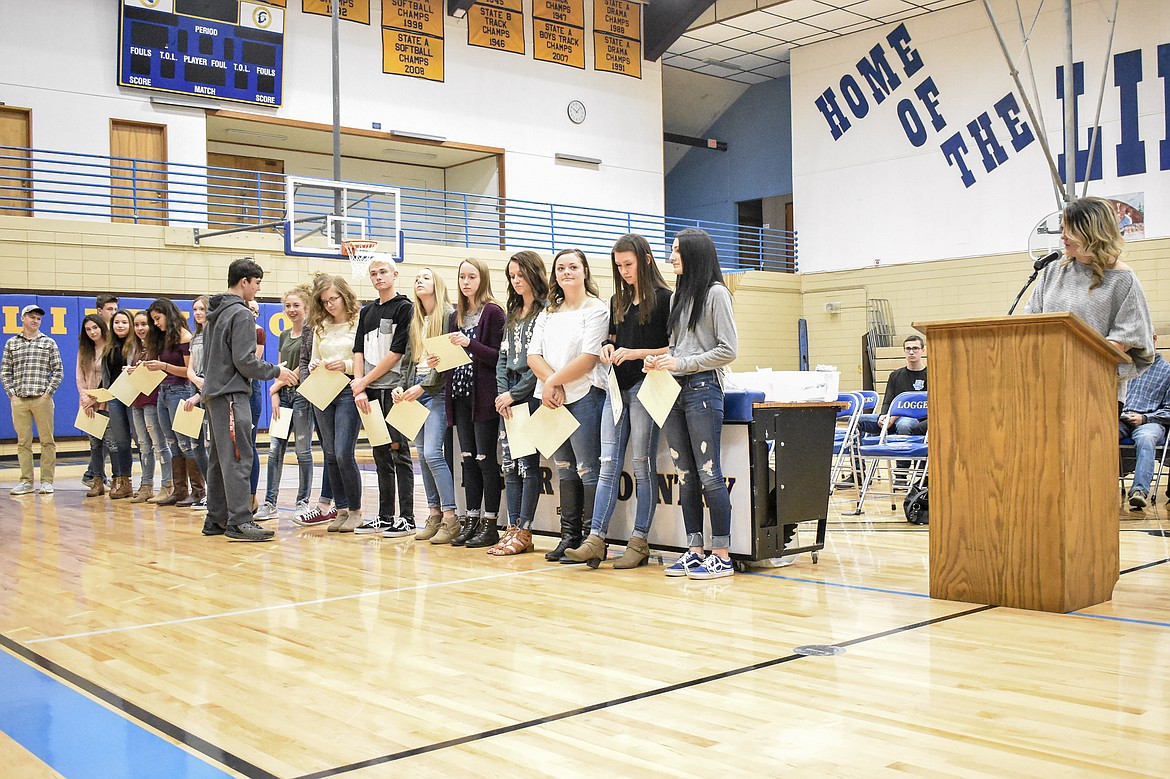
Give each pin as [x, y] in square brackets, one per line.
[854, 97]
[911, 122]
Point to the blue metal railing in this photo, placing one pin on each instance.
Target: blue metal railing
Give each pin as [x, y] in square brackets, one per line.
[43, 182]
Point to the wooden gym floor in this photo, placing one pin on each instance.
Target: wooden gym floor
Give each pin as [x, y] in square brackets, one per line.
[133, 646]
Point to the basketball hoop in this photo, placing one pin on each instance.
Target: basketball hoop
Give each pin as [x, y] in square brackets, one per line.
[361, 254]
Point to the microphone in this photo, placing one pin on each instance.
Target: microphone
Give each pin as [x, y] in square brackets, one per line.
[1037, 266]
[1046, 260]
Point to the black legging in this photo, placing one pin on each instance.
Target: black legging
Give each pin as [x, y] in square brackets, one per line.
[481, 468]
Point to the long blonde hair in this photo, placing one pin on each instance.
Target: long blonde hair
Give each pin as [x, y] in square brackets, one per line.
[318, 316]
[483, 295]
[423, 325]
[1093, 223]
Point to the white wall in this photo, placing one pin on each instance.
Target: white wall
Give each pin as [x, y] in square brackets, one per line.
[871, 195]
[62, 64]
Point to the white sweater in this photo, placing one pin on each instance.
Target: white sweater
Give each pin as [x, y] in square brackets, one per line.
[561, 336]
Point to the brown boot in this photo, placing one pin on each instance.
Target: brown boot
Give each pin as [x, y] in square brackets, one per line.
[591, 551]
[180, 490]
[637, 553]
[198, 488]
[448, 530]
[190, 473]
[145, 493]
[122, 488]
[164, 493]
[98, 489]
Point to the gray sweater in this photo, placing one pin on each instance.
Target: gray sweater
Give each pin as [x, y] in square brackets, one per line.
[1117, 309]
[229, 348]
[713, 343]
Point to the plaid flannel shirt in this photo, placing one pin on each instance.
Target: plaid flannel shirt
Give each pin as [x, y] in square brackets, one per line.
[31, 369]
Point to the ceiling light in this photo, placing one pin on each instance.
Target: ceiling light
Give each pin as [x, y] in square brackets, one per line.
[418, 136]
[255, 134]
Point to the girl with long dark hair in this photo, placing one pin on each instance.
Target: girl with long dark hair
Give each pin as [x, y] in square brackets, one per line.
[168, 346]
[152, 445]
[117, 438]
[91, 345]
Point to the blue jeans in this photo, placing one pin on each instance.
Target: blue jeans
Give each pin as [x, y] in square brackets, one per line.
[693, 430]
[579, 458]
[521, 478]
[169, 398]
[637, 427]
[339, 424]
[868, 424]
[1146, 439]
[117, 439]
[302, 433]
[151, 444]
[434, 449]
[97, 467]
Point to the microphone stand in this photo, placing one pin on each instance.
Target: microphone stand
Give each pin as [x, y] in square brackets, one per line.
[1027, 284]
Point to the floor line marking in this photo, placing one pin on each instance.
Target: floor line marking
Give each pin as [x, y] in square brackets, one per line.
[1113, 618]
[838, 584]
[633, 697]
[276, 606]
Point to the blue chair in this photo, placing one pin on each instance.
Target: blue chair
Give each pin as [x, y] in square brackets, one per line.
[891, 448]
[845, 438]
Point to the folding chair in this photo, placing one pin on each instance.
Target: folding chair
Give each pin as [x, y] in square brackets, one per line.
[845, 437]
[891, 448]
[1128, 460]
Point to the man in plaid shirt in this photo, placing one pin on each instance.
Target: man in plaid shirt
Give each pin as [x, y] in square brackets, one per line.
[1144, 419]
[31, 372]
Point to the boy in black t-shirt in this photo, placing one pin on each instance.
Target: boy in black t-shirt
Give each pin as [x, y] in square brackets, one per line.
[382, 335]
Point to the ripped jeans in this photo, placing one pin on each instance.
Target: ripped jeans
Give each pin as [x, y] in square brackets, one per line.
[693, 431]
[637, 428]
[579, 458]
[481, 469]
[521, 478]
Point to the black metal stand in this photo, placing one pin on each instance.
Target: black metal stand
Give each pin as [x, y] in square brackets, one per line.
[1027, 284]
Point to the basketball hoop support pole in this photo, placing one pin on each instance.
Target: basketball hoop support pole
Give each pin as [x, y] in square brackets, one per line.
[337, 201]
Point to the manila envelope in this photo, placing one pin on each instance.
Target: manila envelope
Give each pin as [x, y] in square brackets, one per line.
[658, 393]
[145, 380]
[189, 423]
[408, 417]
[450, 356]
[375, 425]
[322, 386]
[123, 390]
[551, 427]
[278, 426]
[517, 428]
[95, 427]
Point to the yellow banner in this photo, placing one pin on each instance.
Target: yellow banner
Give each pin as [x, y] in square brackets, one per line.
[614, 54]
[495, 28]
[350, 10]
[507, 5]
[411, 54]
[559, 43]
[561, 11]
[618, 17]
[419, 16]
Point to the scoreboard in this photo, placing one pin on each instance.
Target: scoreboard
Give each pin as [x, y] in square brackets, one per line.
[226, 49]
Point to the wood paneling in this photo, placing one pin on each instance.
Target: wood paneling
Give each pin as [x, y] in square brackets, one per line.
[250, 191]
[15, 165]
[138, 172]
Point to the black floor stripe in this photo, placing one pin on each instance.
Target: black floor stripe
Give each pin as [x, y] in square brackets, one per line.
[619, 701]
[1144, 566]
[133, 710]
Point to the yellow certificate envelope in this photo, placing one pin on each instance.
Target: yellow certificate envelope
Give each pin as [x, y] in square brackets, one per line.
[100, 395]
[95, 427]
[375, 425]
[123, 390]
[658, 393]
[520, 443]
[145, 380]
[450, 356]
[279, 426]
[408, 417]
[551, 427]
[189, 423]
[322, 386]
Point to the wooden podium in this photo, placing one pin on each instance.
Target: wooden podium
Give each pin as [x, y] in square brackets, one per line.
[1023, 462]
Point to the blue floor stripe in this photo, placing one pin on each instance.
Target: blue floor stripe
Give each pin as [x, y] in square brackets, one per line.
[836, 584]
[79, 738]
[1120, 619]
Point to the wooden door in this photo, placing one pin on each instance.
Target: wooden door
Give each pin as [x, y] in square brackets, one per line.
[138, 172]
[15, 163]
[250, 191]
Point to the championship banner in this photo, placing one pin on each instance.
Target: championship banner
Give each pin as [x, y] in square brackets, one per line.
[412, 38]
[349, 10]
[617, 37]
[558, 32]
[277, 3]
[497, 24]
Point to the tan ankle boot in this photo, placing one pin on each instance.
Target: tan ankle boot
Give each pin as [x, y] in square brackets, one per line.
[447, 530]
[434, 522]
[122, 488]
[98, 489]
[592, 550]
[145, 493]
[164, 492]
[637, 553]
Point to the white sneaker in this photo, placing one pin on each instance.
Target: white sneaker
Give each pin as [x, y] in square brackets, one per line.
[46, 488]
[302, 508]
[24, 488]
[265, 512]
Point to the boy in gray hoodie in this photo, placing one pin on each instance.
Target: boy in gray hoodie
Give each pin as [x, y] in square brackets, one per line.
[230, 362]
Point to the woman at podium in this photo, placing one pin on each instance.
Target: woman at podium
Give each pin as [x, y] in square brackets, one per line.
[1093, 283]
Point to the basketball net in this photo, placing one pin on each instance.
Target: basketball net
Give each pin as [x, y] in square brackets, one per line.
[361, 254]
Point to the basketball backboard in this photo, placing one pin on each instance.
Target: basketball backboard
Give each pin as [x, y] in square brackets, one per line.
[322, 214]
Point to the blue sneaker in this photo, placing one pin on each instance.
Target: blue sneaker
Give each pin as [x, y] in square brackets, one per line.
[714, 567]
[683, 565]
